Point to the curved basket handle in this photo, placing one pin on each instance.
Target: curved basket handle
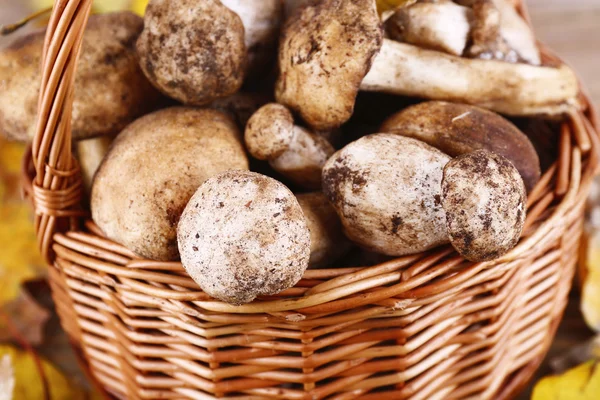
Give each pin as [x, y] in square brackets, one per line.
[57, 185]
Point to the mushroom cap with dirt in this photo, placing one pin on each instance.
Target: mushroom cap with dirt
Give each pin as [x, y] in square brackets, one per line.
[153, 168]
[386, 190]
[295, 152]
[193, 50]
[243, 235]
[458, 129]
[484, 198]
[110, 88]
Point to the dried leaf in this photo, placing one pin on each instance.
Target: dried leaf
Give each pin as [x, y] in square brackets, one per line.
[579, 383]
[19, 258]
[27, 382]
[28, 318]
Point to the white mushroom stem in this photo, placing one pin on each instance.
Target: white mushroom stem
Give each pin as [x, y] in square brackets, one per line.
[517, 33]
[304, 158]
[513, 89]
[262, 20]
[443, 26]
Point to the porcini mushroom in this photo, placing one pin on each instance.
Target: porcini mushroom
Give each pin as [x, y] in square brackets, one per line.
[441, 25]
[334, 48]
[327, 240]
[458, 129]
[90, 153]
[484, 199]
[110, 89]
[262, 20]
[193, 50]
[293, 151]
[386, 191]
[243, 235]
[153, 168]
[241, 105]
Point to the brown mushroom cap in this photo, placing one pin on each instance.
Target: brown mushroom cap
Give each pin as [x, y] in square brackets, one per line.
[327, 240]
[325, 52]
[110, 88]
[458, 129]
[386, 190]
[484, 198]
[153, 168]
[269, 131]
[243, 235]
[193, 51]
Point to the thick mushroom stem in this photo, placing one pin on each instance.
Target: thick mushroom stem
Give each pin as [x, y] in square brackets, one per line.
[512, 89]
[262, 20]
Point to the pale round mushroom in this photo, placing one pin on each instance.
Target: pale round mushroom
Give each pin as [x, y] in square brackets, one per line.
[193, 50]
[243, 235]
[458, 129]
[295, 152]
[386, 190]
[262, 20]
[90, 153]
[484, 198]
[327, 240]
[153, 168]
[110, 88]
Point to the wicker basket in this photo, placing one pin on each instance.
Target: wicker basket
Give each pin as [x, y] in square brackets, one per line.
[427, 326]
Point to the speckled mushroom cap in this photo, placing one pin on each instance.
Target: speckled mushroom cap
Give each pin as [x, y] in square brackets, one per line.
[325, 51]
[153, 168]
[243, 235]
[484, 198]
[110, 88]
[269, 131]
[193, 50]
[386, 190]
[458, 129]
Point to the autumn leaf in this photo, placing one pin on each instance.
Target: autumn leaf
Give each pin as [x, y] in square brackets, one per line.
[27, 317]
[19, 259]
[27, 381]
[579, 383]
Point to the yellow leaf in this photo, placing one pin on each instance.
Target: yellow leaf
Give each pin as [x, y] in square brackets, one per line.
[386, 5]
[19, 258]
[579, 383]
[100, 6]
[28, 383]
[139, 6]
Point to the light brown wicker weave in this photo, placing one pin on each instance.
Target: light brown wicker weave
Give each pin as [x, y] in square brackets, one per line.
[428, 326]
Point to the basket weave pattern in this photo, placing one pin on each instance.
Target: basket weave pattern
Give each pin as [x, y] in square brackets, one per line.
[427, 326]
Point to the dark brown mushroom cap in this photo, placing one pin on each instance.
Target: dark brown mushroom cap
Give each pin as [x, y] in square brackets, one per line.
[243, 235]
[193, 51]
[458, 129]
[325, 52]
[484, 198]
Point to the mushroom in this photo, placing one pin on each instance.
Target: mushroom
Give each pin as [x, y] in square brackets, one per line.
[484, 198]
[90, 153]
[293, 151]
[110, 89]
[458, 129]
[334, 48]
[193, 50]
[293, 7]
[262, 20]
[153, 168]
[442, 25]
[243, 235]
[327, 240]
[386, 190]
